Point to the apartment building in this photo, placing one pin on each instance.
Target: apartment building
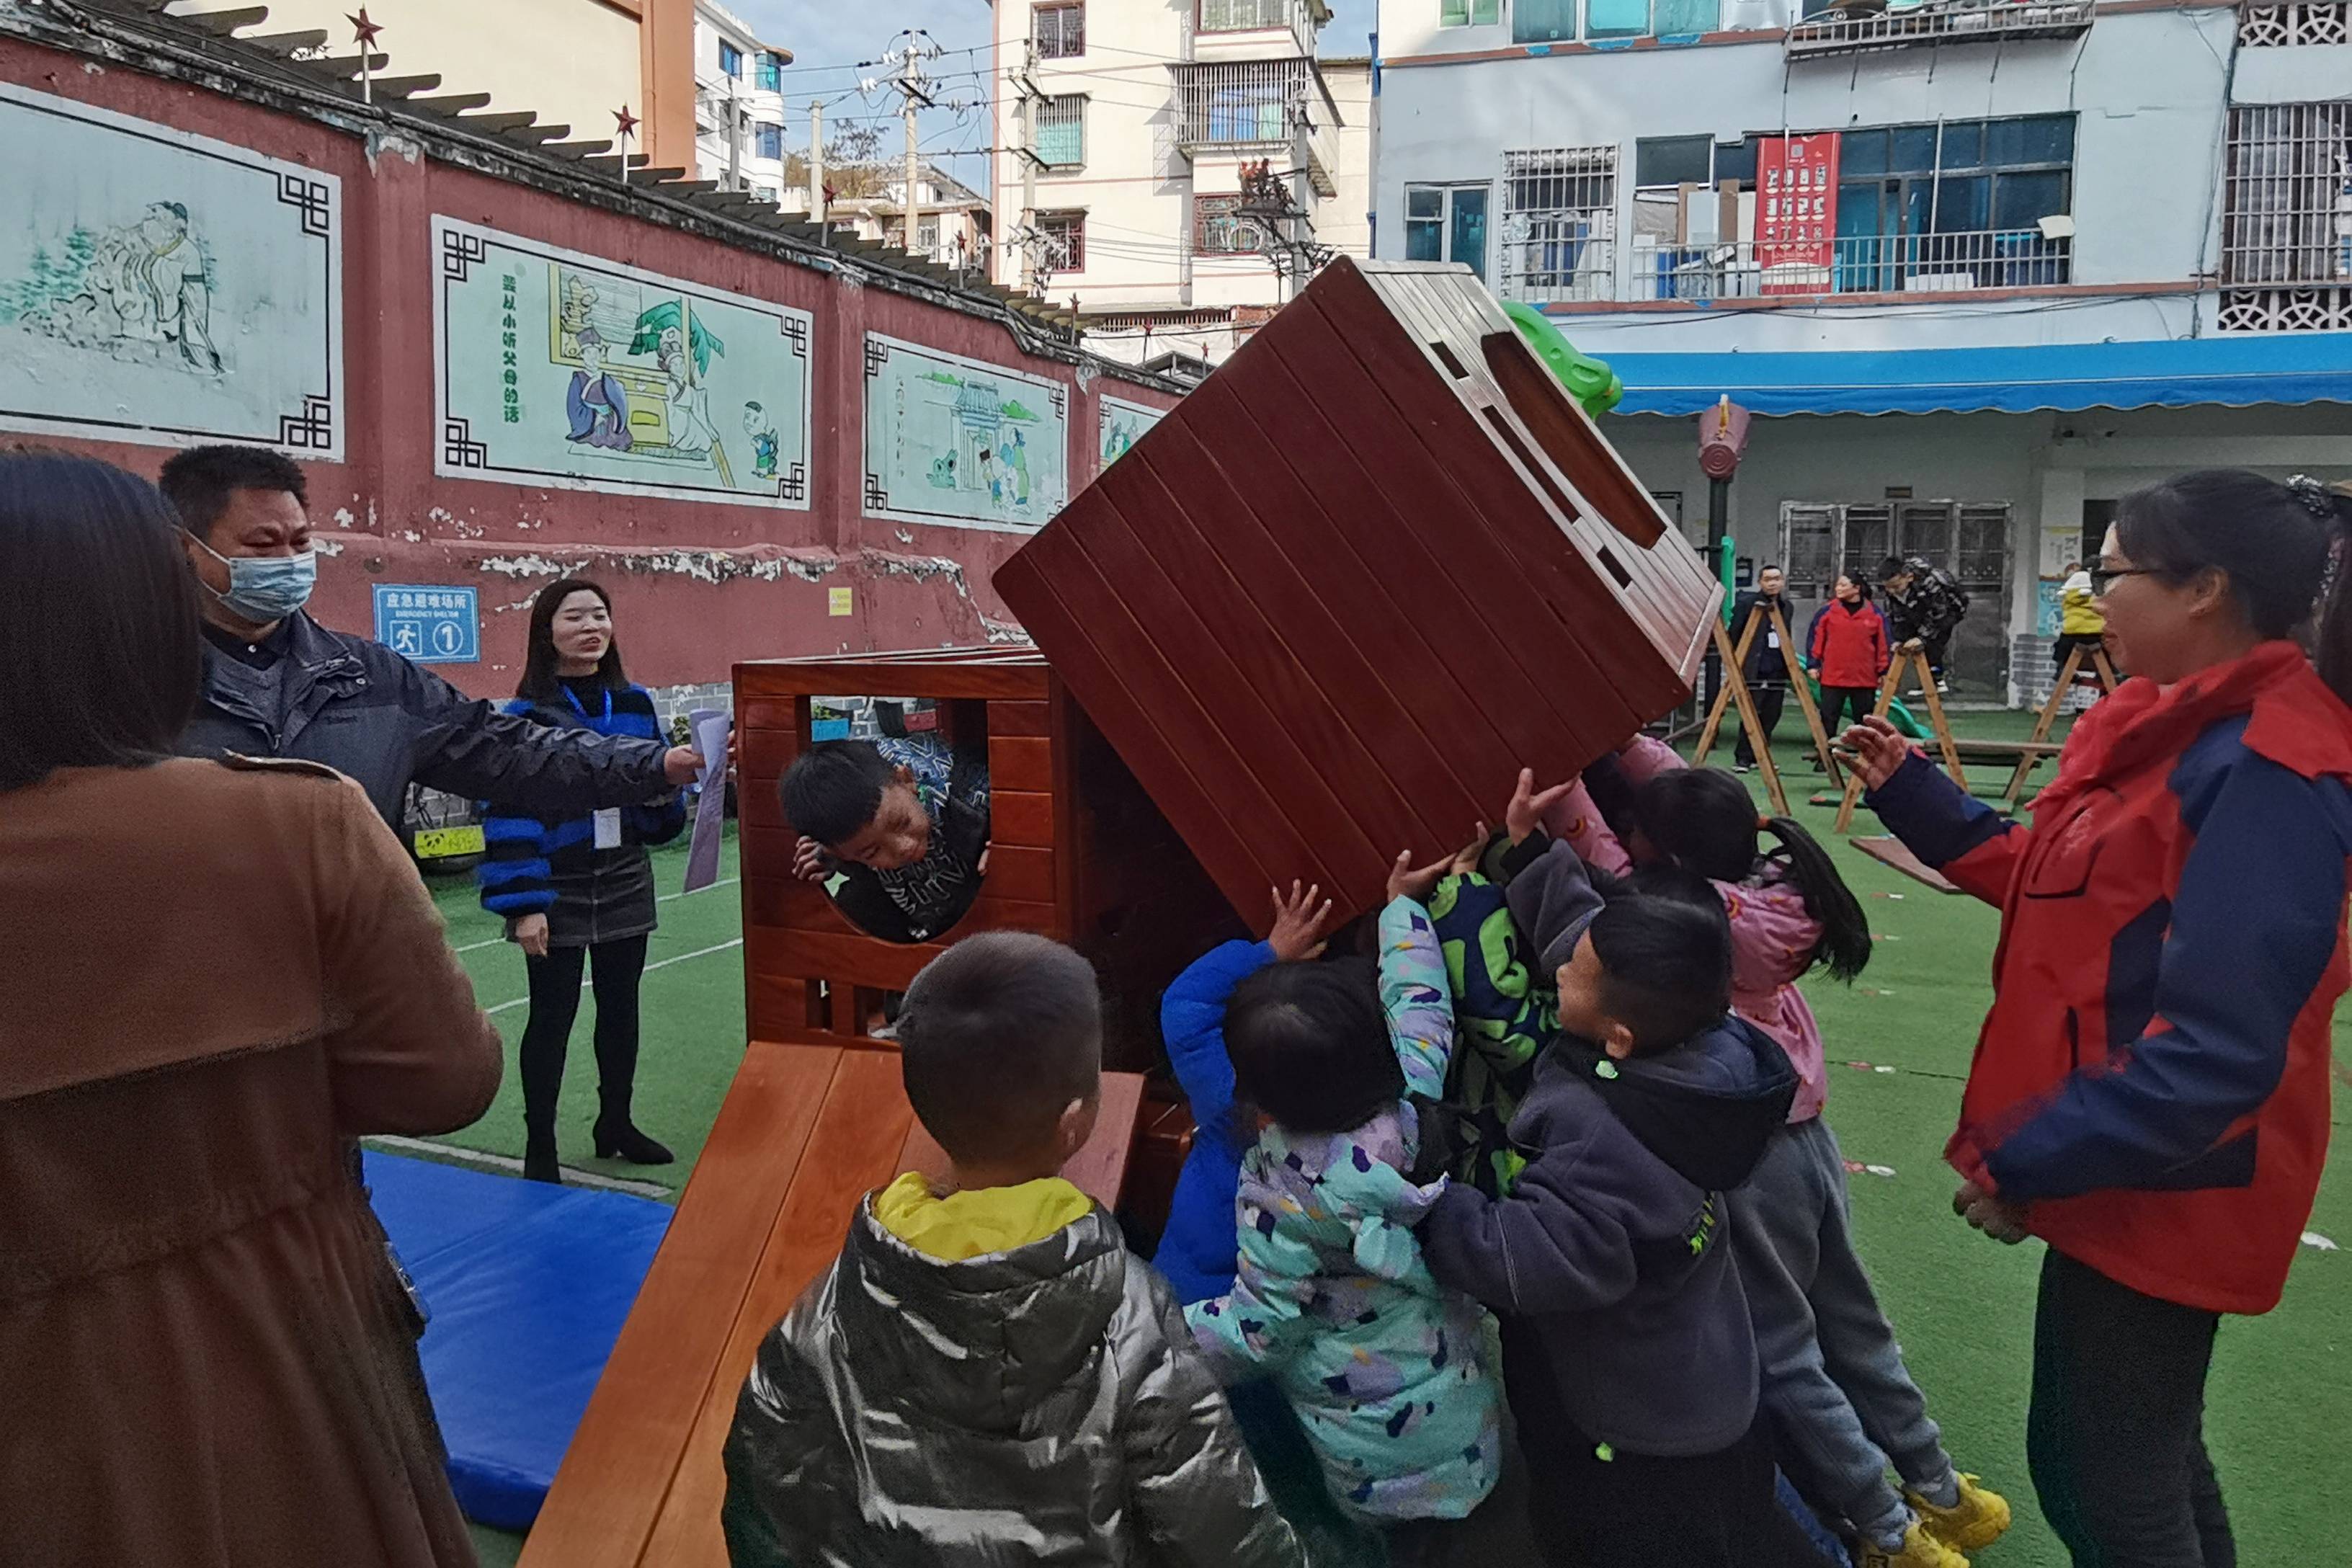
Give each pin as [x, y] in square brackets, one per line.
[574, 62]
[1177, 170]
[1983, 268]
[738, 104]
[953, 223]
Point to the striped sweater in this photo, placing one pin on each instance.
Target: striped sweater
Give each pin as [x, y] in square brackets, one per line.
[526, 853]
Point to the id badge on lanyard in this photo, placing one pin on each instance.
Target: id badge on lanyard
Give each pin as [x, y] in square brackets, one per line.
[608, 827]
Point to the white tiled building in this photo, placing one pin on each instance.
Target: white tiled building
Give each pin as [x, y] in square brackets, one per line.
[739, 106]
[1987, 267]
[953, 227]
[1145, 116]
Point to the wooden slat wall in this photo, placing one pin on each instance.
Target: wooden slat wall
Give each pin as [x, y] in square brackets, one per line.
[1355, 582]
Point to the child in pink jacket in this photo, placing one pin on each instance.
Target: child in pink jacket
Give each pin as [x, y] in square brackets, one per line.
[1833, 1377]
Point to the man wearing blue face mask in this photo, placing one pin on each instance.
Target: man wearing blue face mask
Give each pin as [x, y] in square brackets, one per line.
[279, 684]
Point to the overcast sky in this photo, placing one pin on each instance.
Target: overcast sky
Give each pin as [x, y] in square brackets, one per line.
[829, 40]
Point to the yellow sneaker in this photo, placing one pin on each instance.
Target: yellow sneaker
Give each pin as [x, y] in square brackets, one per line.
[1973, 1523]
[1920, 1550]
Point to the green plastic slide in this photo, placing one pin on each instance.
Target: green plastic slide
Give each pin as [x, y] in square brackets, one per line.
[1897, 715]
[1590, 381]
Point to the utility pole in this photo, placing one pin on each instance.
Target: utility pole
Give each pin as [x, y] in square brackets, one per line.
[917, 95]
[734, 141]
[1026, 106]
[816, 165]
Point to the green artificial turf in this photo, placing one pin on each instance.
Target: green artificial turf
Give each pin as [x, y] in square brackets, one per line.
[2280, 1402]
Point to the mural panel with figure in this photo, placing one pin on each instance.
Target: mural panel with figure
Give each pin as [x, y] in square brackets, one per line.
[1119, 424]
[165, 288]
[961, 442]
[557, 369]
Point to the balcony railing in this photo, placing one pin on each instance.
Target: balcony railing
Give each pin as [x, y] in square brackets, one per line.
[1847, 31]
[1858, 264]
[1222, 30]
[1241, 104]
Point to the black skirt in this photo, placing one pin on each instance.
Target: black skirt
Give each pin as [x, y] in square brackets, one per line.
[612, 899]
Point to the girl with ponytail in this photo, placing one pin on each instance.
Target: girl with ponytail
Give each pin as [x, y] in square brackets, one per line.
[2150, 1091]
[1833, 1376]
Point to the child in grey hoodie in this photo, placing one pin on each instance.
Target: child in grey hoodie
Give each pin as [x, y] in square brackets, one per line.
[1628, 1358]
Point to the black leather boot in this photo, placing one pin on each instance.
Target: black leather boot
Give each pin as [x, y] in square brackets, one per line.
[617, 1138]
[539, 1161]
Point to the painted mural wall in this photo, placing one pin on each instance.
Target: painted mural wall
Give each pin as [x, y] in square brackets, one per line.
[961, 442]
[1119, 424]
[528, 374]
[556, 368]
[165, 288]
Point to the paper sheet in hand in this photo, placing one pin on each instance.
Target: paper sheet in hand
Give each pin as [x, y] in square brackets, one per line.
[710, 730]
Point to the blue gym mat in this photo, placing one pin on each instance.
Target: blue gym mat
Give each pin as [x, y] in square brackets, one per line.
[527, 1285]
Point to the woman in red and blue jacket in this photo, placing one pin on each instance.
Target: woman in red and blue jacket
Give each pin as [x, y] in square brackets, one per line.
[1847, 648]
[2150, 1090]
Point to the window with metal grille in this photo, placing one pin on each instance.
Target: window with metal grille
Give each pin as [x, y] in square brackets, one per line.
[1242, 16]
[1220, 229]
[1971, 539]
[1559, 223]
[1062, 131]
[767, 140]
[2287, 196]
[1060, 31]
[1242, 104]
[1065, 241]
[928, 234]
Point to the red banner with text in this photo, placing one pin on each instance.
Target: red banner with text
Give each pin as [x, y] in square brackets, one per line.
[1796, 212]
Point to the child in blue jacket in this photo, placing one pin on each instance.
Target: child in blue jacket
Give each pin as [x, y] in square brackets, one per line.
[1196, 1248]
[1387, 1371]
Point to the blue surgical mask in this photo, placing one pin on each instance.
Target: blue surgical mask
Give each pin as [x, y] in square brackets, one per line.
[265, 589]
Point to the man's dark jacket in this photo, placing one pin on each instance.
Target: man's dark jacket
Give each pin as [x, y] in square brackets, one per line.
[363, 710]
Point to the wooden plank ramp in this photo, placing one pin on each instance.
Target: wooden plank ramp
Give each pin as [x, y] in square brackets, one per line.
[806, 1131]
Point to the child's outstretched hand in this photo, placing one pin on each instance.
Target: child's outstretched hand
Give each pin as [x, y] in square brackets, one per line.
[1407, 882]
[1299, 928]
[1526, 813]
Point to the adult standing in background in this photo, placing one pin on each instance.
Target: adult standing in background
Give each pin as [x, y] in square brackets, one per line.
[577, 890]
[1848, 653]
[2150, 1091]
[279, 684]
[216, 971]
[1767, 671]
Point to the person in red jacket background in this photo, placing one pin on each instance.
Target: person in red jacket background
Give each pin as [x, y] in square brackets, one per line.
[1848, 651]
[2150, 1090]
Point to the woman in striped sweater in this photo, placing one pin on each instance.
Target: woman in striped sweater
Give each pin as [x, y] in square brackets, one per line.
[578, 891]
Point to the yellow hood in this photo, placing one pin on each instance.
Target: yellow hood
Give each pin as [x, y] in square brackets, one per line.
[978, 1223]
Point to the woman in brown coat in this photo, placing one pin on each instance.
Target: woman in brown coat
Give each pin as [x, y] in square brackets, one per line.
[210, 975]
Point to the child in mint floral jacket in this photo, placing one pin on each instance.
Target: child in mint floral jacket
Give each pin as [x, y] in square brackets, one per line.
[1388, 1371]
